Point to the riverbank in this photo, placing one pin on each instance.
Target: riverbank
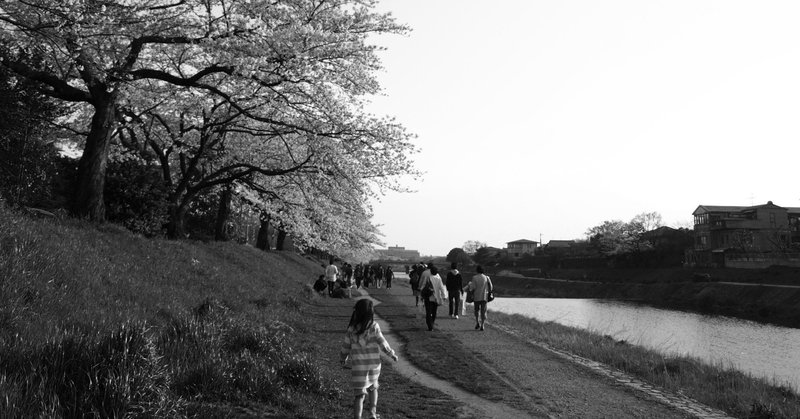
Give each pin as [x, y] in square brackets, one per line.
[755, 299]
[224, 330]
[520, 351]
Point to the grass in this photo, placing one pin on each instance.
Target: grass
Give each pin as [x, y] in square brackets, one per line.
[718, 386]
[97, 321]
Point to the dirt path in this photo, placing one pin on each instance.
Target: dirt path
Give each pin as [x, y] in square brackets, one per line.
[474, 406]
[552, 383]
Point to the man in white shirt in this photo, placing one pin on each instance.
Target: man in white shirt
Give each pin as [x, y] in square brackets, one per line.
[331, 272]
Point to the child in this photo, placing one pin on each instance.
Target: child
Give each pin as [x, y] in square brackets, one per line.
[362, 345]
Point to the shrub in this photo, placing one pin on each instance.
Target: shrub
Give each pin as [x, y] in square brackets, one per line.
[136, 196]
[301, 374]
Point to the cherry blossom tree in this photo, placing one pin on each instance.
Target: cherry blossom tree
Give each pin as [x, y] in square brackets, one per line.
[295, 69]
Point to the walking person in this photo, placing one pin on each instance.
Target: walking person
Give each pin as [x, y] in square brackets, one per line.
[359, 275]
[479, 285]
[367, 275]
[348, 274]
[378, 276]
[361, 353]
[331, 273]
[454, 284]
[413, 280]
[389, 276]
[433, 293]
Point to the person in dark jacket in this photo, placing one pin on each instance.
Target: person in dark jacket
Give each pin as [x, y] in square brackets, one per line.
[454, 284]
[389, 276]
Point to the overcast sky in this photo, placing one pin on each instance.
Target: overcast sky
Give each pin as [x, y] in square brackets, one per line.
[540, 119]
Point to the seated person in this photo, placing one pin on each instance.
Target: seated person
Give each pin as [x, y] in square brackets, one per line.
[339, 290]
[320, 285]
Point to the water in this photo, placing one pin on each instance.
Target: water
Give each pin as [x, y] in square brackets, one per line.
[762, 350]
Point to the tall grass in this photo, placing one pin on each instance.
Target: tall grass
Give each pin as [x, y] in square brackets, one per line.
[95, 321]
[737, 393]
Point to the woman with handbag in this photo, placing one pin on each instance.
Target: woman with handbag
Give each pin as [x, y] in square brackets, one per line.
[433, 294]
[481, 288]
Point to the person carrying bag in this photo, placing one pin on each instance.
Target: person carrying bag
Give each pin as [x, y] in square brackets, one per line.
[481, 287]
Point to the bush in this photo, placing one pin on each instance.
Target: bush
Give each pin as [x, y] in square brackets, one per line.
[136, 196]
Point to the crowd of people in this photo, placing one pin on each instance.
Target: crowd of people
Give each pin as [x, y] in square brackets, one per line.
[427, 285]
[364, 341]
[337, 281]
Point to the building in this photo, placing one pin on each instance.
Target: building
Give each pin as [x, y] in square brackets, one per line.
[559, 247]
[760, 229]
[399, 253]
[518, 248]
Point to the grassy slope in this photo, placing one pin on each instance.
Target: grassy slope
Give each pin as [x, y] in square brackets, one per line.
[71, 281]
[65, 279]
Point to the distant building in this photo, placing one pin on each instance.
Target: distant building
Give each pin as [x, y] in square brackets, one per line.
[758, 229]
[519, 248]
[559, 247]
[398, 253]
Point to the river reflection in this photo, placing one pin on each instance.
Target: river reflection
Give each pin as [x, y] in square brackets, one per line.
[762, 350]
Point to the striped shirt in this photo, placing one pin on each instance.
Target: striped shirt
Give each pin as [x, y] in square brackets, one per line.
[363, 354]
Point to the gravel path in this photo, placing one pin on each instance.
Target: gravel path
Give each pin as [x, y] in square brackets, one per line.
[555, 384]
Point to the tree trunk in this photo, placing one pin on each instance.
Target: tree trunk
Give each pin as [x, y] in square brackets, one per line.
[88, 198]
[279, 242]
[262, 242]
[175, 227]
[223, 215]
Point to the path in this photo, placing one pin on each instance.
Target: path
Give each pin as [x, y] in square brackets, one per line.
[475, 406]
[553, 383]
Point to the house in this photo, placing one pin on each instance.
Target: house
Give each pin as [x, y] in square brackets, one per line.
[666, 238]
[518, 248]
[759, 229]
[559, 247]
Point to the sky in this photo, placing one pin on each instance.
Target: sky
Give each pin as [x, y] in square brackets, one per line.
[541, 119]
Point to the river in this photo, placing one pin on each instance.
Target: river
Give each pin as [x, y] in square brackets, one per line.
[762, 350]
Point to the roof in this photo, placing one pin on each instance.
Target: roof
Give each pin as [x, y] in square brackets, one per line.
[560, 243]
[522, 241]
[660, 231]
[705, 209]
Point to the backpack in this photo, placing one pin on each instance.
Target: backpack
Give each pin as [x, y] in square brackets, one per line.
[414, 280]
[427, 292]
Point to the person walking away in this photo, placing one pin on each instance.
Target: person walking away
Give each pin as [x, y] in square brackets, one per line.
[358, 274]
[348, 274]
[361, 353]
[413, 280]
[454, 285]
[367, 275]
[433, 294]
[480, 284]
[331, 272]
[389, 276]
[378, 276]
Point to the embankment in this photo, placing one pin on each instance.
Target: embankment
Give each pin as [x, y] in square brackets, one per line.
[759, 302]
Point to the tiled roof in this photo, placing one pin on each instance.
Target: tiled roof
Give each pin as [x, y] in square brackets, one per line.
[522, 241]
